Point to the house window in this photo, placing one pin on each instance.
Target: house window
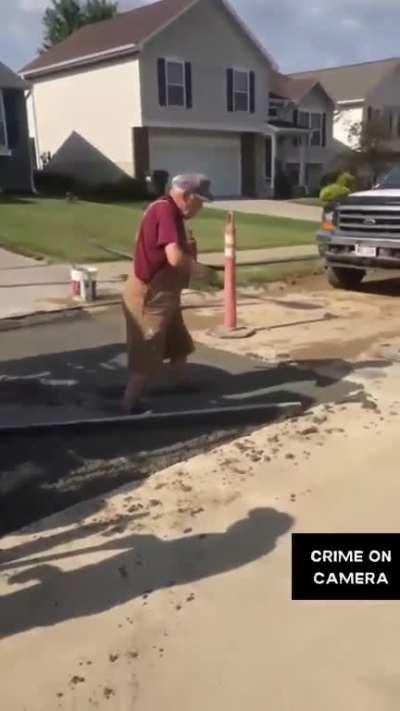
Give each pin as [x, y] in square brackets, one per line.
[241, 90]
[316, 125]
[175, 73]
[304, 119]
[388, 121]
[3, 125]
[312, 121]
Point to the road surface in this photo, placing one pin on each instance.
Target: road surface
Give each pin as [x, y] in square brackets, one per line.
[173, 591]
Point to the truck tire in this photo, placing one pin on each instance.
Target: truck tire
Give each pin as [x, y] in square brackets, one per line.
[344, 278]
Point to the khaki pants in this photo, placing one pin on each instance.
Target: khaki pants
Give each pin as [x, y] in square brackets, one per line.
[154, 323]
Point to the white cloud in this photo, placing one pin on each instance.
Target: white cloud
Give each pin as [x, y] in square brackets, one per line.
[33, 5]
[298, 35]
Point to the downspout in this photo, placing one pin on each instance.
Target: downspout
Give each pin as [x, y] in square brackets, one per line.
[30, 94]
[33, 188]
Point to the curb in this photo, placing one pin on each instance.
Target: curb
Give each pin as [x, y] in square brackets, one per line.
[38, 318]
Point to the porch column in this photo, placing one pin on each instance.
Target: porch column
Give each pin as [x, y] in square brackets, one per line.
[303, 160]
[273, 162]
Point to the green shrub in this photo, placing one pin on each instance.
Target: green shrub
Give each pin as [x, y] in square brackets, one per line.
[333, 192]
[50, 184]
[53, 184]
[124, 189]
[348, 181]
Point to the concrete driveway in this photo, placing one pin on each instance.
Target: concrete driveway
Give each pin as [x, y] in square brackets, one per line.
[9, 260]
[274, 208]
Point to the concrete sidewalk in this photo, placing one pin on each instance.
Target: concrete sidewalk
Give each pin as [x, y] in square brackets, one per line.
[37, 287]
[29, 287]
[9, 260]
[272, 208]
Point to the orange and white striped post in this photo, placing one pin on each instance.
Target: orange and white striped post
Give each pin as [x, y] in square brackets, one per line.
[230, 329]
[230, 321]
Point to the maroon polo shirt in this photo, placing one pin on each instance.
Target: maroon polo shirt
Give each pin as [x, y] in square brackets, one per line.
[161, 225]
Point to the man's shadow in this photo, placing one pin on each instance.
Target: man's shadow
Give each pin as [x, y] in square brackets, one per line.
[146, 564]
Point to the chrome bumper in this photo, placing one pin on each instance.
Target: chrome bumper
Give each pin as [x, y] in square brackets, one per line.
[339, 249]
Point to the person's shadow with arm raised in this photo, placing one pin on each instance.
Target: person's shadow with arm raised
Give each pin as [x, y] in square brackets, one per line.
[145, 564]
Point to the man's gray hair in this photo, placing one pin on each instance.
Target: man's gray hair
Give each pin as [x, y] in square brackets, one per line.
[194, 183]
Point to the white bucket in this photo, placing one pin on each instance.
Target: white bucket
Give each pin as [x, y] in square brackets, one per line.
[75, 283]
[84, 282]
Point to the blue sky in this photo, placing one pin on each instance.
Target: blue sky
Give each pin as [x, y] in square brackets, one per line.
[299, 35]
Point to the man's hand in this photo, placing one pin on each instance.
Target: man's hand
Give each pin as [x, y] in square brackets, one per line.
[178, 258]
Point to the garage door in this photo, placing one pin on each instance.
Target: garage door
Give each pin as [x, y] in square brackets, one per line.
[215, 155]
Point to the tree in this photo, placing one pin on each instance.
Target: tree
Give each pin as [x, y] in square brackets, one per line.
[371, 141]
[66, 16]
[97, 10]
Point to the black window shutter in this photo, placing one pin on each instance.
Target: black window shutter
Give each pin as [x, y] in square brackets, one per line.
[162, 82]
[323, 129]
[252, 92]
[11, 100]
[369, 113]
[188, 82]
[229, 88]
[295, 117]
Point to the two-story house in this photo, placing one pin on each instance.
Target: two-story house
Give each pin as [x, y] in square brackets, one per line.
[362, 92]
[300, 125]
[15, 156]
[178, 85]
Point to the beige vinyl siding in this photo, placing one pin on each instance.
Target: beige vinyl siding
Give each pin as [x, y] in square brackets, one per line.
[387, 95]
[207, 36]
[99, 105]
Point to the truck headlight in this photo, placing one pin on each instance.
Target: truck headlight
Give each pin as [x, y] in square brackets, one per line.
[329, 219]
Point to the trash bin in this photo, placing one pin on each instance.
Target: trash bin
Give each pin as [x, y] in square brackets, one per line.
[156, 181]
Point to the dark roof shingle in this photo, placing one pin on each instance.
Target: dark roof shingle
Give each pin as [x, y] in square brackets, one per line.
[126, 28]
[294, 88]
[353, 81]
[289, 88]
[10, 80]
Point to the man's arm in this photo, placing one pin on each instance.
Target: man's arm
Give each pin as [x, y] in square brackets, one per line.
[168, 238]
[178, 258]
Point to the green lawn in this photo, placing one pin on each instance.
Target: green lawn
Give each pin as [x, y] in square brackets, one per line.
[60, 230]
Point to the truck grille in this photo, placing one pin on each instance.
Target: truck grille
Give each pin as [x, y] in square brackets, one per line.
[371, 220]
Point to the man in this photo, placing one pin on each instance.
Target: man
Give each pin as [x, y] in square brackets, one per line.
[162, 267]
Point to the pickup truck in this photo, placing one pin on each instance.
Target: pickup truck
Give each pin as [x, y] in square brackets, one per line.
[362, 232]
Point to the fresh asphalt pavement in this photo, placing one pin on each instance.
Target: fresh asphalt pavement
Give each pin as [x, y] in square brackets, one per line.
[74, 368]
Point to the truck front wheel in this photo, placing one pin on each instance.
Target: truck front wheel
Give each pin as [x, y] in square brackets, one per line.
[343, 278]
